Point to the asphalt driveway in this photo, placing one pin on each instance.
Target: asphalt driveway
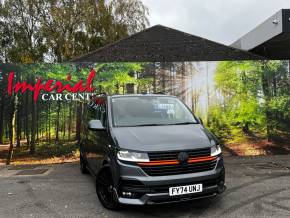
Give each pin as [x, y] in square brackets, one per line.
[257, 187]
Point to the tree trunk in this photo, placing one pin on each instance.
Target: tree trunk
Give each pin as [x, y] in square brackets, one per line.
[57, 122]
[13, 111]
[69, 121]
[246, 129]
[79, 121]
[2, 103]
[46, 123]
[207, 93]
[183, 89]
[154, 79]
[37, 123]
[117, 89]
[163, 77]
[49, 134]
[33, 121]
[27, 119]
[266, 91]
[64, 126]
[18, 132]
[33, 124]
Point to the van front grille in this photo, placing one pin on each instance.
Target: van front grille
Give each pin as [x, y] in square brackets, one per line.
[164, 170]
[172, 166]
[170, 155]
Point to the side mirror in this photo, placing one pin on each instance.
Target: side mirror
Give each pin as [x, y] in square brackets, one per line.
[200, 121]
[96, 125]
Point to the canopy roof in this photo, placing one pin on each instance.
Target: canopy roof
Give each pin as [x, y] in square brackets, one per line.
[162, 44]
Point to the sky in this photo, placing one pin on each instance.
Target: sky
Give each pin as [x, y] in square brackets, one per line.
[222, 21]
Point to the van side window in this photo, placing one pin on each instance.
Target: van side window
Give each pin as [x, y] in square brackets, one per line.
[91, 135]
[101, 114]
[103, 117]
[91, 114]
[98, 111]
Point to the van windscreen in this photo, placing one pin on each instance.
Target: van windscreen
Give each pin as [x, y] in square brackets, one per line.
[149, 111]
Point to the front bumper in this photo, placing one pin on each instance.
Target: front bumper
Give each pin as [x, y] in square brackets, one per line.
[144, 189]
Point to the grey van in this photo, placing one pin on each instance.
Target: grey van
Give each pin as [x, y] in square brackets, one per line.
[148, 149]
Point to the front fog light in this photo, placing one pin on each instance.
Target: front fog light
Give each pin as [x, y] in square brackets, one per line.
[132, 156]
[215, 150]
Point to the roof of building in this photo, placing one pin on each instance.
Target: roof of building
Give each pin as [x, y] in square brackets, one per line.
[162, 44]
[271, 39]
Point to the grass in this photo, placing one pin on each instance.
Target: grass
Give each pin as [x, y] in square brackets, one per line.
[57, 150]
[45, 153]
[257, 143]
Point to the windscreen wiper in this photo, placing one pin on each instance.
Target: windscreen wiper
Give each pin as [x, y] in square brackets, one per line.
[167, 124]
[152, 124]
[183, 123]
[162, 124]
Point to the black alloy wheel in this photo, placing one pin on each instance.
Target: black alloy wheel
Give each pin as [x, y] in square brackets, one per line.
[105, 190]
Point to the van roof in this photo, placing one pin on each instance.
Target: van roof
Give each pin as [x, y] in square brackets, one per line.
[139, 95]
[101, 98]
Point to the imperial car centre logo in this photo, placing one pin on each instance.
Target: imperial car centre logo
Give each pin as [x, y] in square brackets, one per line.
[53, 90]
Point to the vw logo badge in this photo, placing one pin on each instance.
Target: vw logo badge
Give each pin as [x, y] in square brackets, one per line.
[183, 157]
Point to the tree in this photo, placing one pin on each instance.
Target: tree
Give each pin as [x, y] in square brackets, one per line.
[58, 30]
[13, 111]
[33, 121]
[250, 94]
[20, 21]
[113, 77]
[240, 84]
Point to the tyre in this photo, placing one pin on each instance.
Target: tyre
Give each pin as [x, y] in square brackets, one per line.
[83, 165]
[105, 190]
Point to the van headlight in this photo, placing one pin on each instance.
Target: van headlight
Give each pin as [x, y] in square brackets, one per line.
[215, 150]
[132, 156]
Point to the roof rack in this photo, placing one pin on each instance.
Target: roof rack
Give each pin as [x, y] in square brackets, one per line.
[98, 95]
[154, 93]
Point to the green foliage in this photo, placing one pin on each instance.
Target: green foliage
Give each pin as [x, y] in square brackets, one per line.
[144, 84]
[219, 123]
[54, 117]
[280, 104]
[58, 30]
[113, 77]
[52, 150]
[254, 97]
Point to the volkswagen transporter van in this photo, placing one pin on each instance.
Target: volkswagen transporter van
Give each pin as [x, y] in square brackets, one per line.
[148, 149]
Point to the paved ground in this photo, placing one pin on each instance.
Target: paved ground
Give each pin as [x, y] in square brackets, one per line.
[257, 187]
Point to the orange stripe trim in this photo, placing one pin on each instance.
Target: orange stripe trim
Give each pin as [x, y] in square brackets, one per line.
[194, 160]
[156, 163]
[175, 162]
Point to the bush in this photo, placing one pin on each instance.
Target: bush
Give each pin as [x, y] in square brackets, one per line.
[56, 150]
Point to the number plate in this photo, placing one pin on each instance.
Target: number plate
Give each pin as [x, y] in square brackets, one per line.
[186, 189]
